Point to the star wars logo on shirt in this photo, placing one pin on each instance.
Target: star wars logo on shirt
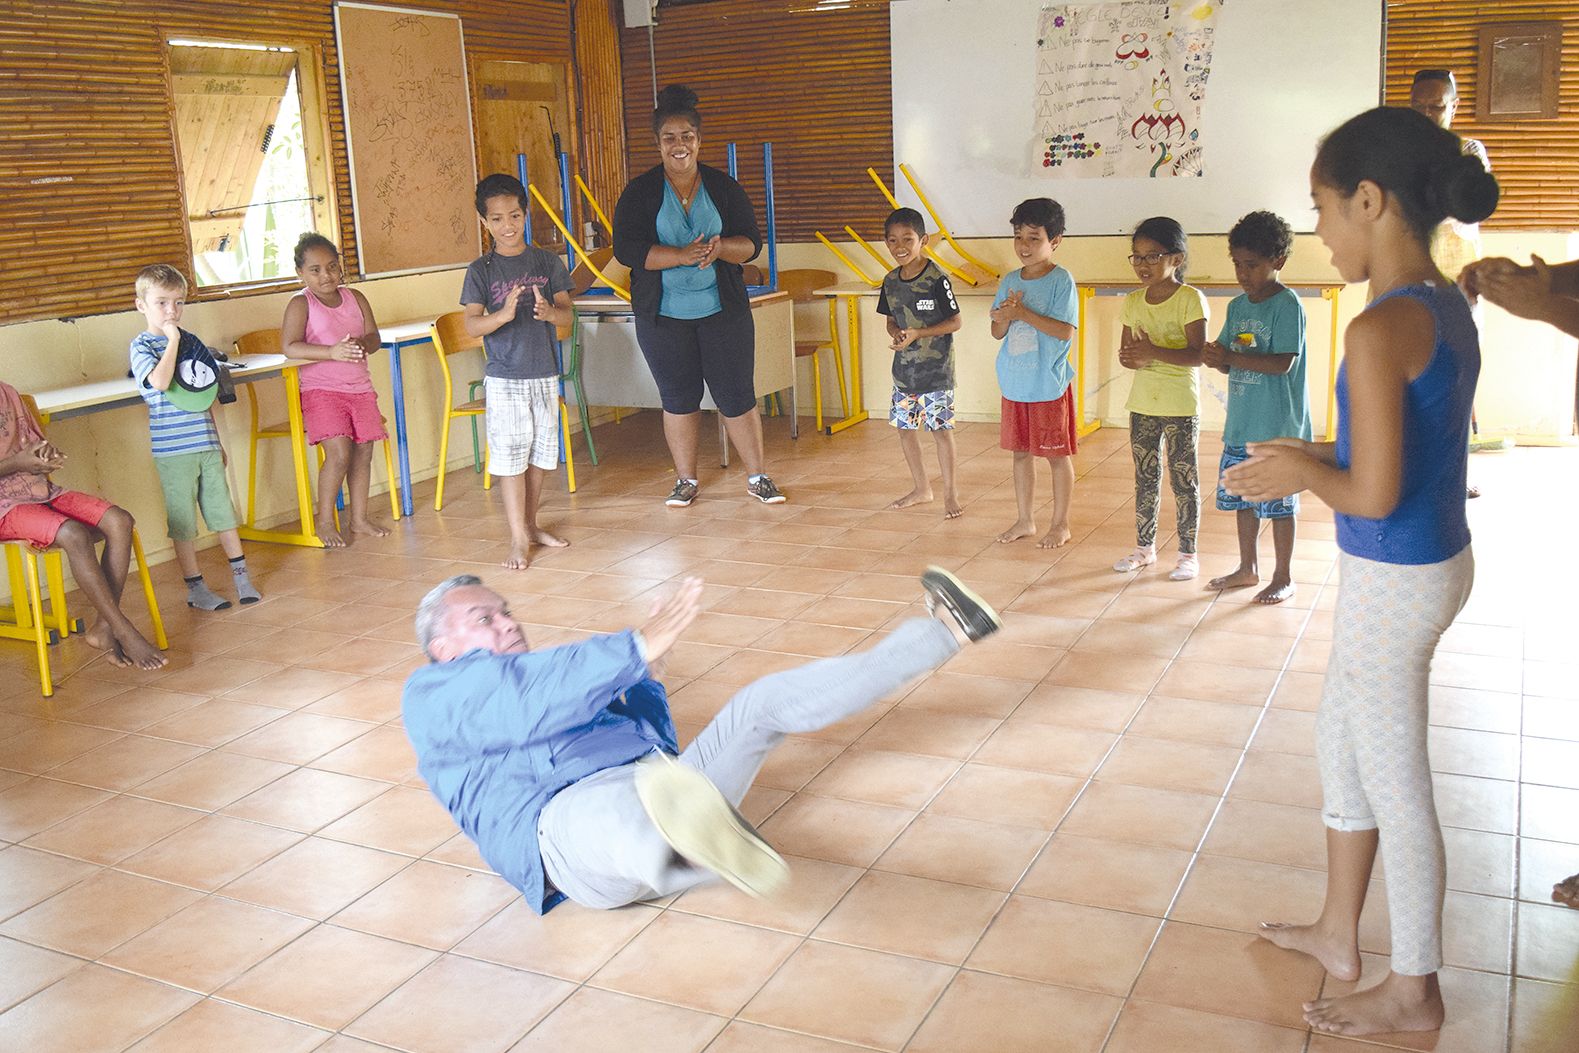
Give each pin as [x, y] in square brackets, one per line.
[926, 305]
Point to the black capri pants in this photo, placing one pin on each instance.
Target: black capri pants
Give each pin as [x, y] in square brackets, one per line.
[682, 353]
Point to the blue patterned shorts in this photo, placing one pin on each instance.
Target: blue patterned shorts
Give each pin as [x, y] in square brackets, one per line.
[1282, 508]
[934, 410]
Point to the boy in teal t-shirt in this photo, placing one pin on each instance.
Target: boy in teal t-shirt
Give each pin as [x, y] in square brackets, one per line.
[1262, 349]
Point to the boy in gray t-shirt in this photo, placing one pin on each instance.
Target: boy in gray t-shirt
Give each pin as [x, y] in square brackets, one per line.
[515, 298]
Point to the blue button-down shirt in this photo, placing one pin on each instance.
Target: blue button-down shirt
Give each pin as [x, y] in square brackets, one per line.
[497, 735]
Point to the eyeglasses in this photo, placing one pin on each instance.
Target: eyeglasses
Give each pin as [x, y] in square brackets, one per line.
[1150, 257]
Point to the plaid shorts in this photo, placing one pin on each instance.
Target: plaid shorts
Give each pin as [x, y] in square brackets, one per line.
[934, 410]
[523, 424]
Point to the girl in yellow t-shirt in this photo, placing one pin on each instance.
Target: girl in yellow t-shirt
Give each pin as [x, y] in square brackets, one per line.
[1164, 331]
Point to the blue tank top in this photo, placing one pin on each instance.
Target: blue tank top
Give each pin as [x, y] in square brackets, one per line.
[1429, 525]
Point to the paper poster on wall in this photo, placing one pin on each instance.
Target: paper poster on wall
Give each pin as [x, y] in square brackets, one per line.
[1120, 87]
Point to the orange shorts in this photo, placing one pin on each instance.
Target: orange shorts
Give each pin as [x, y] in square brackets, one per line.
[39, 523]
[1046, 429]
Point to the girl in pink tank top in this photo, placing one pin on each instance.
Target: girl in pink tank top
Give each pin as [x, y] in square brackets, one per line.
[334, 326]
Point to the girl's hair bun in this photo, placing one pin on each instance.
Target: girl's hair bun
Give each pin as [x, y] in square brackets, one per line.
[1464, 189]
[677, 97]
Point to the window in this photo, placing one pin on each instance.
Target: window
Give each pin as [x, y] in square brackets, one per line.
[251, 144]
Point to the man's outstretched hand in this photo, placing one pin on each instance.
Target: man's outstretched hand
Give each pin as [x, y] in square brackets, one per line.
[669, 618]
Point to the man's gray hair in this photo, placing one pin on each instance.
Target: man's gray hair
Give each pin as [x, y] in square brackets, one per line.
[430, 611]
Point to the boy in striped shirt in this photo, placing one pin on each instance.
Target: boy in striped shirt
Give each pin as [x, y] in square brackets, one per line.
[186, 447]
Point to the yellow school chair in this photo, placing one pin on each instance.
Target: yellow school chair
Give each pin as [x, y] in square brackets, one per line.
[801, 284]
[267, 342]
[450, 338]
[31, 620]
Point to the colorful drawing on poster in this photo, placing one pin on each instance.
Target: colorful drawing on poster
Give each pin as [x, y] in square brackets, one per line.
[1120, 87]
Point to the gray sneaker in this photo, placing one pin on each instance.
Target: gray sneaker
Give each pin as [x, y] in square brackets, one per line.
[764, 490]
[683, 494]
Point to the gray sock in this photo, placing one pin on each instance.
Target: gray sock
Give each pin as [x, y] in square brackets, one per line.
[199, 595]
[245, 590]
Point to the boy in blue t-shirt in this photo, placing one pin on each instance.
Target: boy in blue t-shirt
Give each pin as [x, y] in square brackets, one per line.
[176, 377]
[1262, 349]
[1035, 314]
[918, 303]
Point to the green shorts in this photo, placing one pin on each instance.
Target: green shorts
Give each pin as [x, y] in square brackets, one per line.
[193, 481]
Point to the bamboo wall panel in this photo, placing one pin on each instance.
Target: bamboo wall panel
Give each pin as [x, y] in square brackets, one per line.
[816, 83]
[602, 109]
[90, 189]
[1537, 162]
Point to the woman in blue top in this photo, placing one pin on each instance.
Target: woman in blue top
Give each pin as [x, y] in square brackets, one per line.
[684, 229]
[1395, 481]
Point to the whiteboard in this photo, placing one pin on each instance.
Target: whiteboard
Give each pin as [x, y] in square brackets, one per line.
[408, 135]
[1284, 73]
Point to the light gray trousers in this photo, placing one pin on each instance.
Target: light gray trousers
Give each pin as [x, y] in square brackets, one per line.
[598, 846]
[1371, 733]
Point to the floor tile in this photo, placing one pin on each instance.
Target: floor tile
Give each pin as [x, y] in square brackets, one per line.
[847, 832]
[212, 780]
[328, 977]
[212, 1024]
[964, 851]
[125, 1009]
[1144, 1027]
[1066, 944]
[209, 853]
[815, 886]
[1230, 974]
[98, 913]
[107, 833]
[1006, 795]
[851, 995]
[1139, 879]
[698, 963]
[28, 876]
[1141, 815]
[457, 1005]
[1166, 764]
[981, 1011]
[207, 944]
[305, 800]
[593, 1021]
[1547, 937]
[315, 877]
[570, 942]
[903, 780]
[26, 970]
[403, 819]
[1047, 748]
[913, 916]
[428, 904]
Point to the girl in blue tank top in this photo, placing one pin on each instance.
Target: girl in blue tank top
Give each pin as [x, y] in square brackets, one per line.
[1395, 481]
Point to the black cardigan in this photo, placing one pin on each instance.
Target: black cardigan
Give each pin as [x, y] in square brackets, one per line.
[636, 232]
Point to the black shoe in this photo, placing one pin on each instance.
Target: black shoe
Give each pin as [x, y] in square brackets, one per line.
[974, 615]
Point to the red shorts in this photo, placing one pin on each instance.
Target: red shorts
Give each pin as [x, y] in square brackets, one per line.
[1046, 429]
[333, 414]
[40, 523]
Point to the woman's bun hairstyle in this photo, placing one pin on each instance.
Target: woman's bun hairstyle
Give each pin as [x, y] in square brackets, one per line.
[1421, 165]
[676, 100]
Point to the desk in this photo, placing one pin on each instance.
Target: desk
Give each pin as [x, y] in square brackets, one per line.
[81, 399]
[394, 338]
[614, 373]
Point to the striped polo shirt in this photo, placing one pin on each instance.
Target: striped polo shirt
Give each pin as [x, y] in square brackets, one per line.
[172, 430]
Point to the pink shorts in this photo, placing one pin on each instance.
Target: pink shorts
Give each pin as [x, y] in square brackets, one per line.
[333, 414]
[38, 524]
[1046, 429]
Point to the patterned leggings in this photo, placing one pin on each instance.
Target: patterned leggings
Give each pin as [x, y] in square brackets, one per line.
[1146, 435]
[1371, 733]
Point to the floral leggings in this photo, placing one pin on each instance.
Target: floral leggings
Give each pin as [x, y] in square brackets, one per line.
[1146, 437]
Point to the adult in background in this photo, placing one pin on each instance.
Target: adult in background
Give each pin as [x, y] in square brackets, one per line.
[1454, 244]
[684, 229]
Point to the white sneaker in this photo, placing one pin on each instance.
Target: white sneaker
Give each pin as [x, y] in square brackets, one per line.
[1141, 557]
[1187, 568]
[700, 824]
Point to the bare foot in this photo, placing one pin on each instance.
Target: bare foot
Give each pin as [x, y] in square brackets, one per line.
[370, 528]
[99, 637]
[1239, 579]
[1340, 957]
[1279, 590]
[139, 652]
[518, 559]
[1057, 537]
[1566, 892]
[330, 536]
[542, 537]
[914, 497]
[952, 508]
[116, 657]
[1398, 1003]
[1020, 529]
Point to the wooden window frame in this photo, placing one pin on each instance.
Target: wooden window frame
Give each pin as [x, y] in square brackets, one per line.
[1550, 37]
[312, 86]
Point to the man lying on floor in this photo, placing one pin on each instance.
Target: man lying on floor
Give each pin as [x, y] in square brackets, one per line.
[561, 764]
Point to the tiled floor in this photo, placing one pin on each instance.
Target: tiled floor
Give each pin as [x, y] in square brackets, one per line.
[1060, 842]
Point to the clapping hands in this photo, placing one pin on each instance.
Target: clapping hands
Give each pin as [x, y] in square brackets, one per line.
[1012, 309]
